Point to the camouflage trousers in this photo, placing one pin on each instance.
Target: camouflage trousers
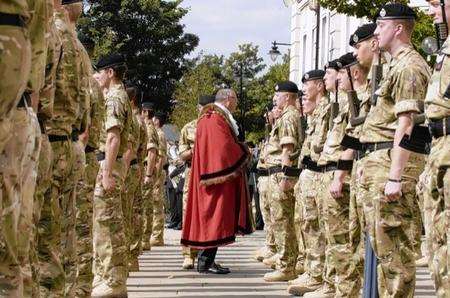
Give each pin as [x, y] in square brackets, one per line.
[44, 179]
[313, 225]
[132, 183]
[18, 168]
[137, 219]
[355, 272]
[147, 196]
[53, 223]
[282, 214]
[437, 201]
[392, 225]
[298, 222]
[264, 199]
[158, 208]
[188, 252]
[109, 241]
[15, 65]
[84, 205]
[427, 180]
[338, 252]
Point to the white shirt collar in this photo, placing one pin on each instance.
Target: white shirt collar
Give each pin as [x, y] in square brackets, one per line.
[230, 117]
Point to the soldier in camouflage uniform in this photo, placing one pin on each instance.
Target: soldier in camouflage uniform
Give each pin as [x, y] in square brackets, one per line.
[132, 199]
[283, 150]
[157, 238]
[150, 173]
[110, 251]
[316, 106]
[137, 209]
[267, 253]
[437, 111]
[186, 145]
[89, 140]
[392, 165]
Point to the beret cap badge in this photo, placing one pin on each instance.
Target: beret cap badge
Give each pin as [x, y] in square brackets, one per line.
[355, 38]
[382, 12]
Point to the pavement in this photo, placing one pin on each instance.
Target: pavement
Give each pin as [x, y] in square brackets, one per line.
[161, 275]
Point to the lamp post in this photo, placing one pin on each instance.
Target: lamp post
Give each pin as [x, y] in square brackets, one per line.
[240, 73]
[274, 52]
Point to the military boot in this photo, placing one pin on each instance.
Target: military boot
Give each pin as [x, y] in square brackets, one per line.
[263, 253]
[279, 275]
[105, 291]
[422, 262]
[325, 291]
[272, 261]
[305, 285]
[156, 242]
[299, 268]
[188, 263]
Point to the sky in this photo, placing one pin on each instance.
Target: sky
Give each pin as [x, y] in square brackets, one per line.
[223, 24]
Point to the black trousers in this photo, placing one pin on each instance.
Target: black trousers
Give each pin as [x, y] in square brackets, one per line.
[206, 257]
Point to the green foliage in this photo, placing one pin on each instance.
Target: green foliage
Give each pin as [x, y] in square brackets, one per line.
[149, 34]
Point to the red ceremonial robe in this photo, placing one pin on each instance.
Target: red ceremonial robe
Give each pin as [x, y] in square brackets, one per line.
[218, 205]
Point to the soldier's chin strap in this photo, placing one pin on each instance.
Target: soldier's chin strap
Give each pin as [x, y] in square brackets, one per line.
[334, 106]
[353, 102]
[442, 28]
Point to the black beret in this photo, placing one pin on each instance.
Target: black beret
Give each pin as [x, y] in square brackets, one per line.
[147, 105]
[333, 64]
[66, 2]
[347, 60]
[161, 116]
[362, 33]
[110, 61]
[286, 86]
[203, 100]
[316, 74]
[395, 11]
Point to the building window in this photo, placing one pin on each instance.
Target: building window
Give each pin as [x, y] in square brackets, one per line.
[304, 53]
[323, 41]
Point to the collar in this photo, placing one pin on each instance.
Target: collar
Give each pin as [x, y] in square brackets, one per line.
[115, 87]
[403, 52]
[230, 117]
[446, 47]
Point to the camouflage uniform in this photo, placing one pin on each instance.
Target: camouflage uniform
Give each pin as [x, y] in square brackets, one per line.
[159, 192]
[147, 189]
[15, 63]
[61, 193]
[313, 225]
[263, 188]
[137, 219]
[109, 242]
[187, 139]
[286, 131]
[436, 191]
[85, 187]
[335, 212]
[355, 271]
[132, 181]
[391, 224]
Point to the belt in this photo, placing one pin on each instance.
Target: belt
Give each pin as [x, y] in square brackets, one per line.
[101, 156]
[351, 143]
[372, 147]
[25, 100]
[274, 170]
[133, 162]
[263, 172]
[89, 149]
[56, 138]
[439, 128]
[311, 165]
[287, 171]
[344, 165]
[7, 19]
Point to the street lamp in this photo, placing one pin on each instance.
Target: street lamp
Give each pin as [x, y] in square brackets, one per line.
[274, 52]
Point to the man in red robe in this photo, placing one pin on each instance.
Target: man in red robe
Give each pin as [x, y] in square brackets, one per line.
[218, 205]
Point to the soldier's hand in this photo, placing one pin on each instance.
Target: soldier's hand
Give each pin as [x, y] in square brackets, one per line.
[108, 182]
[392, 191]
[147, 180]
[287, 184]
[336, 188]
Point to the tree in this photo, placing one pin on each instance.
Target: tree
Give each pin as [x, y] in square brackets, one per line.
[149, 34]
[205, 76]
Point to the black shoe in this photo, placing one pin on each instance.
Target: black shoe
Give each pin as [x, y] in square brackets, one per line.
[214, 269]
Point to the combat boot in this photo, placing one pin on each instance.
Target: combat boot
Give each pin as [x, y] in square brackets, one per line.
[133, 266]
[146, 246]
[278, 275]
[156, 242]
[422, 262]
[325, 291]
[299, 268]
[299, 280]
[308, 284]
[263, 253]
[188, 263]
[105, 291]
[272, 261]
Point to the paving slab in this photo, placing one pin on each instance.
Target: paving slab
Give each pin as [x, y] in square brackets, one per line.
[161, 275]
